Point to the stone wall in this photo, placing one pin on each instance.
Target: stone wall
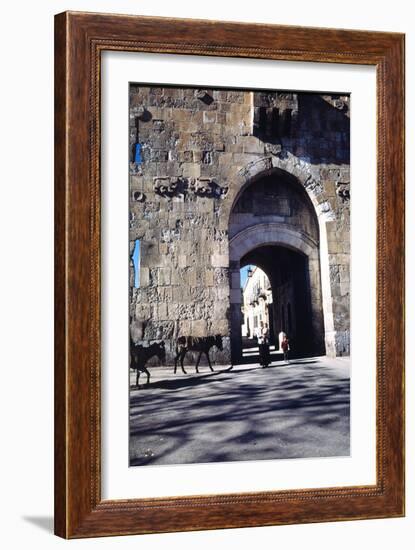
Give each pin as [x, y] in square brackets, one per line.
[198, 149]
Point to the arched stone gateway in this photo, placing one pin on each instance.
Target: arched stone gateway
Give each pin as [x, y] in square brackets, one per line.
[199, 160]
[277, 222]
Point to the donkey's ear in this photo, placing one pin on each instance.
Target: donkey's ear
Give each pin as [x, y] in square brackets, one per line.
[162, 343]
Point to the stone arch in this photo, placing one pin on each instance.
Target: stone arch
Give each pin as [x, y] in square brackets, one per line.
[280, 234]
[289, 167]
[270, 234]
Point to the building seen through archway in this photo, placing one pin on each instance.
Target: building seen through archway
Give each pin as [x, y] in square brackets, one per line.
[256, 301]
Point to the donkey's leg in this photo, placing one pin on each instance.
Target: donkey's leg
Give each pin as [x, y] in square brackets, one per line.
[209, 363]
[175, 361]
[182, 356]
[148, 375]
[198, 361]
[137, 377]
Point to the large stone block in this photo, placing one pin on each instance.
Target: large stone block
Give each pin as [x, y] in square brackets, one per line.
[181, 295]
[162, 312]
[185, 328]
[177, 277]
[220, 260]
[251, 144]
[144, 276]
[220, 309]
[163, 248]
[220, 326]
[173, 311]
[182, 260]
[209, 117]
[199, 328]
[209, 278]
[191, 170]
[164, 294]
[192, 278]
[164, 276]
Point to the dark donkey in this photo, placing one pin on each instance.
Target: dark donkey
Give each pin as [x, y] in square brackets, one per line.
[193, 343]
[139, 355]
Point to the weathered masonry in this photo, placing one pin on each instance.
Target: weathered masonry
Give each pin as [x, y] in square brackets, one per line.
[220, 179]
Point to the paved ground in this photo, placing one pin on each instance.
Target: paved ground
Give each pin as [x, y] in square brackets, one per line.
[249, 413]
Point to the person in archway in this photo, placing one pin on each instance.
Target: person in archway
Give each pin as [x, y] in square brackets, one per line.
[281, 337]
[263, 343]
[285, 345]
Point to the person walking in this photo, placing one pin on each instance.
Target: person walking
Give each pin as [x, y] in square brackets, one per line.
[281, 337]
[285, 345]
[263, 344]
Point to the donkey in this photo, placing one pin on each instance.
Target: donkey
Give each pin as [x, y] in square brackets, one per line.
[139, 355]
[200, 344]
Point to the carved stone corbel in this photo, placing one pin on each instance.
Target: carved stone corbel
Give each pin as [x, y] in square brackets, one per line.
[343, 190]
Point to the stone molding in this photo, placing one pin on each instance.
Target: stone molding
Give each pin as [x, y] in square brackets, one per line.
[270, 233]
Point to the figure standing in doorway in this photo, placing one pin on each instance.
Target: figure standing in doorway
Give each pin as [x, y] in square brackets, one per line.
[263, 343]
[281, 337]
[285, 345]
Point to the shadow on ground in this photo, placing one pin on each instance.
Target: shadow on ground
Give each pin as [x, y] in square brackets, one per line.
[284, 411]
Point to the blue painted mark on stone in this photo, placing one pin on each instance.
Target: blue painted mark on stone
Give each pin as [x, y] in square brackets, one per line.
[137, 157]
[136, 262]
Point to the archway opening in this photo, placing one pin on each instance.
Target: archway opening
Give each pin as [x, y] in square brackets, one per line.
[256, 310]
[276, 294]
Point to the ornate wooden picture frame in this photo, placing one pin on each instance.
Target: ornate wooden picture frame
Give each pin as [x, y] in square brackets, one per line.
[80, 38]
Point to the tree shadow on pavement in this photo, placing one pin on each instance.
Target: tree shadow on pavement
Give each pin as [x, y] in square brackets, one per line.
[247, 414]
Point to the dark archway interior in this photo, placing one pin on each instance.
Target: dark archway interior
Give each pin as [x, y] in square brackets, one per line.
[287, 271]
